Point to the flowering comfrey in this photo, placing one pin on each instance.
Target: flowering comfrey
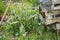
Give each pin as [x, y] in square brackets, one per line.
[13, 12]
[33, 7]
[17, 17]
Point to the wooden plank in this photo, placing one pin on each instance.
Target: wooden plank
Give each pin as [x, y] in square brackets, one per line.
[49, 21]
[58, 26]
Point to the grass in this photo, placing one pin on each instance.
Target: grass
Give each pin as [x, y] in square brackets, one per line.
[45, 36]
[32, 36]
[24, 16]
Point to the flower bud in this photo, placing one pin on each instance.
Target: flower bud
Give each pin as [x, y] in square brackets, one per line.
[33, 8]
[17, 17]
[13, 12]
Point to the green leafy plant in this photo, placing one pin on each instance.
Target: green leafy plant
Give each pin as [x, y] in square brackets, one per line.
[2, 7]
[24, 24]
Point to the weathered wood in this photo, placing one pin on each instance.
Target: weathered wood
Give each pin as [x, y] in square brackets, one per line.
[58, 28]
[55, 1]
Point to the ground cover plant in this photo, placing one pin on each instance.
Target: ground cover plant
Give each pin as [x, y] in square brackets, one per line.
[23, 23]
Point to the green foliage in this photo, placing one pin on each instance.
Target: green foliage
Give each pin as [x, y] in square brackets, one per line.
[2, 7]
[22, 29]
[26, 27]
[34, 2]
[29, 20]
